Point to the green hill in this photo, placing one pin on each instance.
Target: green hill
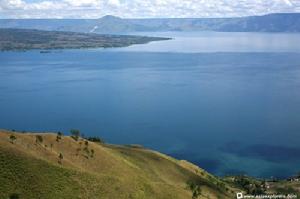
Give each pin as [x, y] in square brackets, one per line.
[52, 166]
[31, 167]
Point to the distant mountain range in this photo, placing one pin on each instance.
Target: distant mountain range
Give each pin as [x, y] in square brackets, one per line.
[283, 22]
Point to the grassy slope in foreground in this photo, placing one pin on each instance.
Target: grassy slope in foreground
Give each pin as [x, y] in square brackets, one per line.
[31, 169]
[26, 39]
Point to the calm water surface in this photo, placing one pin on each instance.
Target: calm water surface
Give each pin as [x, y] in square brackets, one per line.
[229, 102]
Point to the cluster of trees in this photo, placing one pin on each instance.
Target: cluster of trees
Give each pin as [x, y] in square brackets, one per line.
[195, 188]
[95, 139]
[250, 186]
[75, 134]
[87, 152]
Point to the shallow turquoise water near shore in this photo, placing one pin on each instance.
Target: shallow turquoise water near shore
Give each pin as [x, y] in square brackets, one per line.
[228, 109]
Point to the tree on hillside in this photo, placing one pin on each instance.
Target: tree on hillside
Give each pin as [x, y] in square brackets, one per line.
[75, 134]
[92, 153]
[58, 136]
[38, 139]
[196, 189]
[86, 150]
[95, 139]
[14, 196]
[60, 158]
[77, 151]
[12, 138]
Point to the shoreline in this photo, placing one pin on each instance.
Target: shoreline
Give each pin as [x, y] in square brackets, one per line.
[20, 40]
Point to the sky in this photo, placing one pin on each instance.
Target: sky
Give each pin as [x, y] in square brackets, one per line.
[143, 8]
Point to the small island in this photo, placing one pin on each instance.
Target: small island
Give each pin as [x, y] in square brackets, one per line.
[29, 39]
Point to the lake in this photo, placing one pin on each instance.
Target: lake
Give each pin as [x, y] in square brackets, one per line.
[228, 102]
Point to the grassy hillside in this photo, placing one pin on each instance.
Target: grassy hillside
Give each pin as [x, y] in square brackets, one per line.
[42, 166]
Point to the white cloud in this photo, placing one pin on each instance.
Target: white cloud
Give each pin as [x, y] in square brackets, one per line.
[115, 3]
[12, 4]
[288, 2]
[83, 3]
[142, 8]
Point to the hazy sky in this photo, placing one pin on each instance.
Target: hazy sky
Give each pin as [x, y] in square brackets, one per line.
[142, 8]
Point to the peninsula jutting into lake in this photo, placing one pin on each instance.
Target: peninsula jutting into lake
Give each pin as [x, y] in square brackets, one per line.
[27, 39]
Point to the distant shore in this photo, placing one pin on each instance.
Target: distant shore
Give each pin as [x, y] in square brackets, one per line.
[28, 39]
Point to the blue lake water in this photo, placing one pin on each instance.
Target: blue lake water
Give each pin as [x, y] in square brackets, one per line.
[229, 102]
